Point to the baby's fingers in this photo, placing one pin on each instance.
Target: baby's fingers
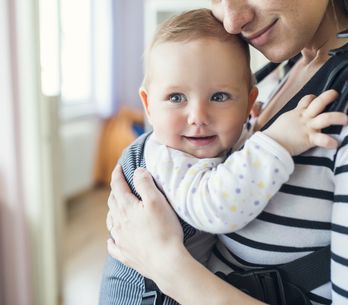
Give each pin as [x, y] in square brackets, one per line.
[327, 119]
[306, 101]
[323, 140]
[319, 103]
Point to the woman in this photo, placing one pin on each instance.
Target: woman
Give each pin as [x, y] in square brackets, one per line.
[309, 212]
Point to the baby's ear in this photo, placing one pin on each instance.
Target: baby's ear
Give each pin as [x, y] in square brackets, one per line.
[144, 99]
[253, 93]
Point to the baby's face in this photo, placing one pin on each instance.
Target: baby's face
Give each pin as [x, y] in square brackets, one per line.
[198, 98]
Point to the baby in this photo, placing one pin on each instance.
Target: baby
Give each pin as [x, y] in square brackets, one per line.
[197, 94]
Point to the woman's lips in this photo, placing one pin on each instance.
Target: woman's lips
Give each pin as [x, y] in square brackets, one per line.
[200, 140]
[262, 36]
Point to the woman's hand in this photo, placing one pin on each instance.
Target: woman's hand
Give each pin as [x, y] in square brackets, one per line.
[145, 232]
[148, 237]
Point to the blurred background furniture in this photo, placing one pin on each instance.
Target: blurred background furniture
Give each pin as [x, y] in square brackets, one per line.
[117, 133]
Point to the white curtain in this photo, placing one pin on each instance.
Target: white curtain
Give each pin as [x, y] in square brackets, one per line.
[27, 227]
[15, 275]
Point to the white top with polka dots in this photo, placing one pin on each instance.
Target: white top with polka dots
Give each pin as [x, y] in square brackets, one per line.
[217, 195]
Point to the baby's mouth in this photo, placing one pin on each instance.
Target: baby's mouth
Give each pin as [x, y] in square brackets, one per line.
[201, 140]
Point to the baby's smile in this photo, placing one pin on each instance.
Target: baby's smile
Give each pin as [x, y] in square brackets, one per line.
[201, 140]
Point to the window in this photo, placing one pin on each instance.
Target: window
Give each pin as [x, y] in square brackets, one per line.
[86, 57]
[76, 51]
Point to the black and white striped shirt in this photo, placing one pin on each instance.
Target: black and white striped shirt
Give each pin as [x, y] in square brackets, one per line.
[309, 212]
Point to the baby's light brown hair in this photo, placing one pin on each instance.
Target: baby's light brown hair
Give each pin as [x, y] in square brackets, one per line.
[193, 25]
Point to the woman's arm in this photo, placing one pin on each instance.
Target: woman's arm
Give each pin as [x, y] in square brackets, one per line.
[189, 283]
[148, 237]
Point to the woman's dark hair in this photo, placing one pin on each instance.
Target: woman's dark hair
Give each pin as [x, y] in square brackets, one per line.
[346, 5]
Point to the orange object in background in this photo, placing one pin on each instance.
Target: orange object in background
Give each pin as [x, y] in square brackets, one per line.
[118, 132]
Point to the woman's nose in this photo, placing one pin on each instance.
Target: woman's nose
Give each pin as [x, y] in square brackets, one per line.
[236, 15]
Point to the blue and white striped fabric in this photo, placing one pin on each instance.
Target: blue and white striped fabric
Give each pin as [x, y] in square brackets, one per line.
[122, 285]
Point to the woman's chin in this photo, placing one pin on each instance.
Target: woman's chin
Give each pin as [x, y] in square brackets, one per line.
[279, 54]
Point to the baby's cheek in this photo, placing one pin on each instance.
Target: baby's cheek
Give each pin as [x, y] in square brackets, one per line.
[230, 139]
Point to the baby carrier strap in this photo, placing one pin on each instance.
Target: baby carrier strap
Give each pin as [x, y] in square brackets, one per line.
[314, 269]
[338, 80]
[152, 294]
[286, 284]
[338, 75]
[267, 69]
[130, 161]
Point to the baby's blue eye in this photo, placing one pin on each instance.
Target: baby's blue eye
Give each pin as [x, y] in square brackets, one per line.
[220, 97]
[177, 98]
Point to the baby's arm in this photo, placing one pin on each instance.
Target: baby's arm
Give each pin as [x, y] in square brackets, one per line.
[221, 198]
[300, 129]
[224, 198]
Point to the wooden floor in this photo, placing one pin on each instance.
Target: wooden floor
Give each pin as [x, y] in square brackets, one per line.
[85, 248]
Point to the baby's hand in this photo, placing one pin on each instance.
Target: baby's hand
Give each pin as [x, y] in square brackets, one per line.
[300, 129]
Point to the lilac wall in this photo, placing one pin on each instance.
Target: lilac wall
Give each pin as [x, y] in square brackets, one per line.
[128, 49]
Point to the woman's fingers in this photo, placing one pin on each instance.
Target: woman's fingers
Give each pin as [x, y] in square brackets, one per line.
[116, 209]
[114, 250]
[111, 200]
[146, 187]
[120, 188]
[114, 233]
[141, 233]
[319, 103]
[109, 221]
[118, 182]
[121, 203]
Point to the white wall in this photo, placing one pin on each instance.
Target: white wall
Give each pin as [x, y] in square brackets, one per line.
[79, 144]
